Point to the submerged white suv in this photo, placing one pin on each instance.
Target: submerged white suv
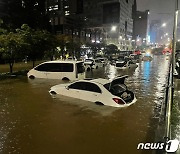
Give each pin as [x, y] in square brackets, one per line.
[64, 70]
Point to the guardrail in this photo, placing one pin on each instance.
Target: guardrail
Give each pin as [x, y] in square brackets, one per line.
[168, 104]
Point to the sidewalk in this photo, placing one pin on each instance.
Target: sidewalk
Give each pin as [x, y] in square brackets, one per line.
[20, 66]
[176, 113]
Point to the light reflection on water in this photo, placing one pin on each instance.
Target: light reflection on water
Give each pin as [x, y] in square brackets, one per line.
[34, 122]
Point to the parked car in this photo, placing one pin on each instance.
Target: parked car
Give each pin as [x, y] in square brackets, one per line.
[103, 61]
[64, 70]
[147, 58]
[100, 91]
[125, 64]
[132, 64]
[121, 65]
[71, 58]
[135, 57]
[91, 64]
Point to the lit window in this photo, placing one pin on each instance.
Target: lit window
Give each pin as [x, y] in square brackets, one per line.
[67, 13]
[66, 6]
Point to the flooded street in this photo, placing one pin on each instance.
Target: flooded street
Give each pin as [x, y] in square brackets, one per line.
[33, 122]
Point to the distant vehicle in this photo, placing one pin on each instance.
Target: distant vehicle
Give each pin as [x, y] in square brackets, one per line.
[64, 70]
[71, 58]
[167, 51]
[147, 58]
[113, 61]
[137, 52]
[135, 58]
[125, 64]
[121, 65]
[91, 64]
[100, 91]
[101, 60]
[132, 64]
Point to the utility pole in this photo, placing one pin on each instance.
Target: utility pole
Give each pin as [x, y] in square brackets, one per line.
[175, 36]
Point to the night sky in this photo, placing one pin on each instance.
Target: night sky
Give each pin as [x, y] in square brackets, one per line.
[162, 10]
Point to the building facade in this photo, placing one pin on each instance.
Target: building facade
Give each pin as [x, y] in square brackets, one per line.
[66, 17]
[107, 21]
[113, 18]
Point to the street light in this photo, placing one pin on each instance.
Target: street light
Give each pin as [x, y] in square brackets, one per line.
[113, 28]
[164, 25]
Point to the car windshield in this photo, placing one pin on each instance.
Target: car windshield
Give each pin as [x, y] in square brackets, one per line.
[120, 64]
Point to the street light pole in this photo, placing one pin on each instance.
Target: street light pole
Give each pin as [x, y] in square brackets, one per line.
[174, 36]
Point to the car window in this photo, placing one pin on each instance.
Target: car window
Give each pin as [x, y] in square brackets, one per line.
[55, 67]
[77, 85]
[87, 86]
[120, 64]
[92, 87]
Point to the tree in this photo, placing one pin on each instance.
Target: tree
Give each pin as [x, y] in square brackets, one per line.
[50, 45]
[111, 48]
[62, 41]
[10, 47]
[36, 42]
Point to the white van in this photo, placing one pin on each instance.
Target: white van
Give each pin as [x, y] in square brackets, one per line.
[64, 70]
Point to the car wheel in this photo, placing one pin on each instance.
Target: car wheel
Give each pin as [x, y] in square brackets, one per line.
[53, 93]
[99, 103]
[65, 79]
[32, 77]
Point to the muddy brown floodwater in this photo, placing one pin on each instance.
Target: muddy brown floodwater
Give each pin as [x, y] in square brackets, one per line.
[33, 122]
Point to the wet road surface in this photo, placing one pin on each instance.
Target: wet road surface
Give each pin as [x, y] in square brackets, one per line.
[33, 122]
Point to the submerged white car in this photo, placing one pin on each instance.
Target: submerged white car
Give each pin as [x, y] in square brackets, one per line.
[90, 64]
[64, 70]
[125, 64]
[100, 91]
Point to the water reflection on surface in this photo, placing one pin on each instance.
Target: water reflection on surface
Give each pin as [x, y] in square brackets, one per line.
[34, 122]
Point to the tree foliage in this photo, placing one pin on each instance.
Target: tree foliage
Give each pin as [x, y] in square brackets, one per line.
[36, 42]
[111, 48]
[11, 46]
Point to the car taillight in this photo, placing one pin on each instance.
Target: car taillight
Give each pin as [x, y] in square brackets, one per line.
[118, 101]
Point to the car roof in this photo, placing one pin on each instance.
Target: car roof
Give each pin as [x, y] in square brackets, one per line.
[64, 61]
[99, 81]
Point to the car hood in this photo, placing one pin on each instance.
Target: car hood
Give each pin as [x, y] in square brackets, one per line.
[59, 85]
